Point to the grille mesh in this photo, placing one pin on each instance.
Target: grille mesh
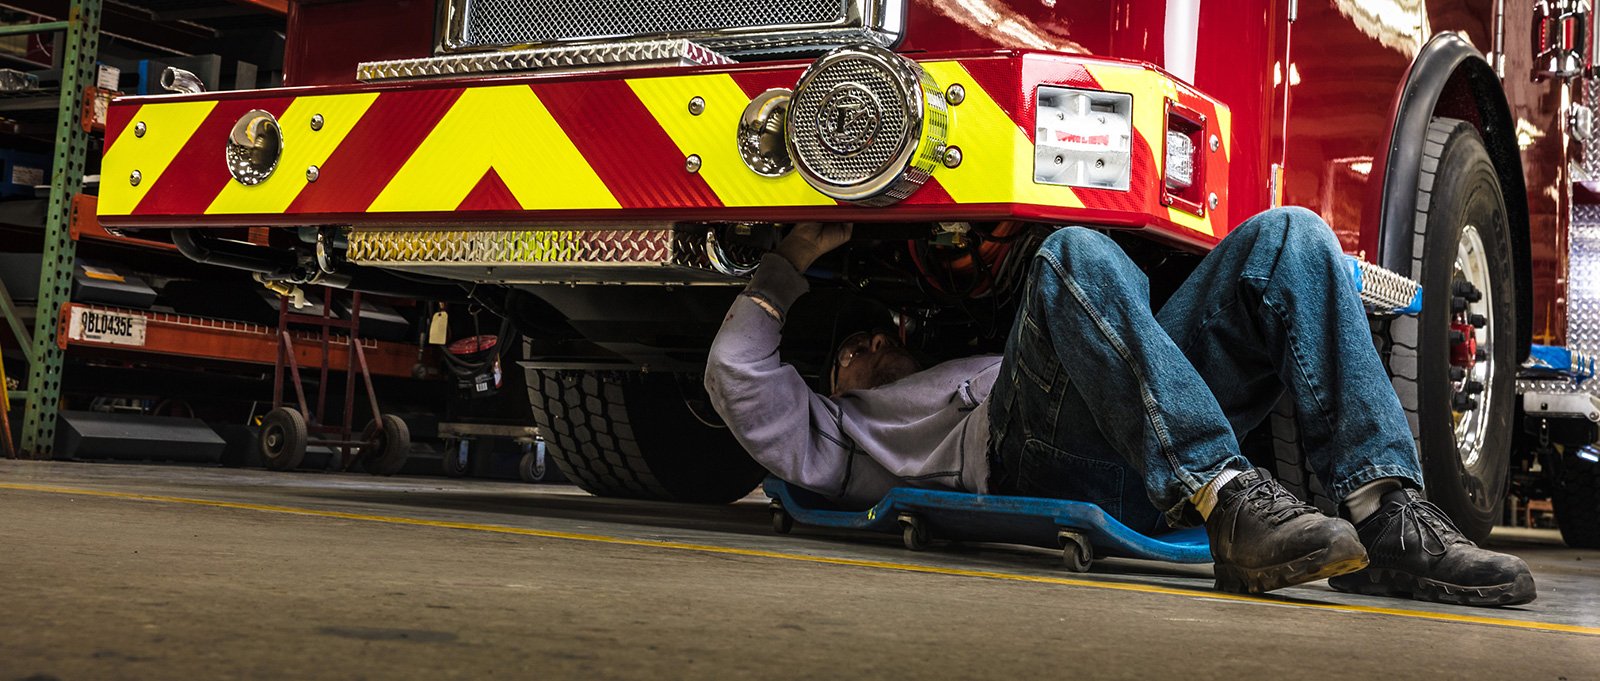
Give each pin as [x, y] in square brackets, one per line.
[506, 22]
[891, 130]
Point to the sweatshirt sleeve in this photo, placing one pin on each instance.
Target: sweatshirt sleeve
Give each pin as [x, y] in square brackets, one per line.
[792, 431]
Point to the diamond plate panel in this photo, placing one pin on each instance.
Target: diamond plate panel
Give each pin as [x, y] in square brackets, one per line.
[1583, 296]
[656, 255]
[562, 58]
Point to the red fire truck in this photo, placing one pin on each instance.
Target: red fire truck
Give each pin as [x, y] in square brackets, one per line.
[606, 174]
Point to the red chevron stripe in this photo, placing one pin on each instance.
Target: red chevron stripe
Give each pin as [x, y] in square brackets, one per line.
[200, 171]
[624, 144]
[491, 193]
[370, 156]
[756, 82]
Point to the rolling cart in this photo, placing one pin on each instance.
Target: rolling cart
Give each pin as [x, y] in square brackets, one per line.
[286, 431]
[1081, 530]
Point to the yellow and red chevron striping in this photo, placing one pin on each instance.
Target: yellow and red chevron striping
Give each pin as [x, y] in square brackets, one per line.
[607, 147]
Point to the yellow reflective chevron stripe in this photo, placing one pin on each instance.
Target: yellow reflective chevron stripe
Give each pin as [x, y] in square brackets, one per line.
[996, 154]
[167, 128]
[302, 148]
[713, 136]
[505, 128]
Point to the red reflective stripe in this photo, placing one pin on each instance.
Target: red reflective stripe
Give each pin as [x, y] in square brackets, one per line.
[624, 144]
[1144, 190]
[1042, 72]
[931, 193]
[756, 82]
[392, 129]
[200, 170]
[491, 193]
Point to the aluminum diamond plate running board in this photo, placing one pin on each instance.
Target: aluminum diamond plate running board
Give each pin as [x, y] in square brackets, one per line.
[558, 59]
[675, 255]
[1583, 319]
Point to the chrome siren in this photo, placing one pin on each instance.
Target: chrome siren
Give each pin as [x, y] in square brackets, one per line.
[866, 125]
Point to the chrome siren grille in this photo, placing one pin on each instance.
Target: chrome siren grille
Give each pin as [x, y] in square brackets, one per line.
[871, 112]
[729, 26]
[866, 125]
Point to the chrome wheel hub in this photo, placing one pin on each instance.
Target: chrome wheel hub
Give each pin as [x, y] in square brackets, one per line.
[1471, 335]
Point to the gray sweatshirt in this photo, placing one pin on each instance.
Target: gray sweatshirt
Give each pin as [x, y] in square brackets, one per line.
[930, 429]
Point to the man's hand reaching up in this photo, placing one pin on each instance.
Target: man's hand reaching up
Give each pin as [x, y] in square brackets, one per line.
[809, 240]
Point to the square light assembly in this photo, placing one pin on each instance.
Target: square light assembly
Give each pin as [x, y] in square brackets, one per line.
[1083, 138]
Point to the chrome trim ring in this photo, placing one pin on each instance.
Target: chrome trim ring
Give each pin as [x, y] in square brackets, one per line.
[866, 125]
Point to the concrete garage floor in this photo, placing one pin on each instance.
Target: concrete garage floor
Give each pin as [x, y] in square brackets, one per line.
[165, 572]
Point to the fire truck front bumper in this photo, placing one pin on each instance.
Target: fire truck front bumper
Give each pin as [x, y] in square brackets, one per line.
[517, 165]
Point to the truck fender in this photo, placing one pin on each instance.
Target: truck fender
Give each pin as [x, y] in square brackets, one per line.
[1451, 78]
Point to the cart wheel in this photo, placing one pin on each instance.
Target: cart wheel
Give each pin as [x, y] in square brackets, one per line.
[1076, 551]
[283, 439]
[458, 459]
[913, 532]
[533, 467]
[384, 453]
[782, 522]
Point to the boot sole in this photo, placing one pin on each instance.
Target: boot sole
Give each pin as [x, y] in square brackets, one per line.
[1399, 584]
[1344, 556]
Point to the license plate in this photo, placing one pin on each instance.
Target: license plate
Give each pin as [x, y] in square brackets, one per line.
[100, 326]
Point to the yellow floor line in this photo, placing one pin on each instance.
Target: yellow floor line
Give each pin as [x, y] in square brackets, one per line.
[850, 562]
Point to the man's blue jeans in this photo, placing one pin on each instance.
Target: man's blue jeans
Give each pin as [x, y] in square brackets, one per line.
[1100, 399]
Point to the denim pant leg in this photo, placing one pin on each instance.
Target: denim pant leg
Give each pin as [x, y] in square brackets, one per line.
[1273, 307]
[1094, 401]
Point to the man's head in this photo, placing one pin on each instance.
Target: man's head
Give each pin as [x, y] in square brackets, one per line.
[869, 359]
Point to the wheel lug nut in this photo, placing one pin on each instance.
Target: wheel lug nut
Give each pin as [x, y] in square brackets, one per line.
[1472, 387]
[1463, 403]
[1478, 321]
[1457, 373]
[1457, 337]
[1458, 304]
[1481, 355]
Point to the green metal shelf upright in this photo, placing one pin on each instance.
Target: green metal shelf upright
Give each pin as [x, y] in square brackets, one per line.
[43, 387]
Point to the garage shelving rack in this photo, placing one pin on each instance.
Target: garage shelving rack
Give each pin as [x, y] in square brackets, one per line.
[42, 351]
[69, 211]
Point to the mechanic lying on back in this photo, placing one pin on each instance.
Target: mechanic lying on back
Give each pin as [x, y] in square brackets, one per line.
[1098, 398]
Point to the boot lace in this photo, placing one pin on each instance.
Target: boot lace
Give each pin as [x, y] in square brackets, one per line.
[1268, 499]
[1430, 521]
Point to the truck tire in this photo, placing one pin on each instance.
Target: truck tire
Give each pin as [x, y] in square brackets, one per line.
[1461, 416]
[637, 436]
[1284, 458]
[1465, 452]
[1577, 503]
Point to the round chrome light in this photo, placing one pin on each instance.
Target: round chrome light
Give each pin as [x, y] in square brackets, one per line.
[761, 134]
[866, 125]
[254, 147]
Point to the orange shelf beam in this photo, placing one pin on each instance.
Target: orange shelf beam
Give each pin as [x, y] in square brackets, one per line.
[174, 335]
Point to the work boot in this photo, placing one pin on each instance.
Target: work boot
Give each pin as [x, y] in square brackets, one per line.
[1263, 538]
[1417, 552]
